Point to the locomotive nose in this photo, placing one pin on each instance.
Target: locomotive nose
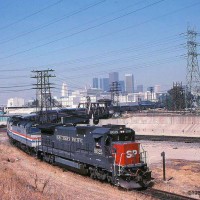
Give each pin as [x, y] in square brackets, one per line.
[126, 153]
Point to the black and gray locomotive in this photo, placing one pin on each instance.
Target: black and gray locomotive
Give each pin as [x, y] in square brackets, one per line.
[108, 153]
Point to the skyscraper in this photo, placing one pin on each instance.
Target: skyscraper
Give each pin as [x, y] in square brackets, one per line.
[113, 77]
[122, 86]
[139, 88]
[64, 90]
[95, 83]
[104, 84]
[129, 83]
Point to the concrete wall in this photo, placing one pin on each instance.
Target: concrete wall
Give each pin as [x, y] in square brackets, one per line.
[160, 125]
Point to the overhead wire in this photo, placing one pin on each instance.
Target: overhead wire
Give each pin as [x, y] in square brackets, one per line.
[124, 59]
[129, 27]
[52, 22]
[132, 66]
[30, 15]
[83, 30]
[169, 13]
[89, 22]
[153, 44]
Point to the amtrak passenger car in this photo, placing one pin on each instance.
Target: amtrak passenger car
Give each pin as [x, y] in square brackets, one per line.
[22, 131]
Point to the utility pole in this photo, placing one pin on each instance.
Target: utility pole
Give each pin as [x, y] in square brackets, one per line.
[193, 74]
[43, 93]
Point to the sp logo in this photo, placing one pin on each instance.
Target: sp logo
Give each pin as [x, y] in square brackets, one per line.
[131, 153]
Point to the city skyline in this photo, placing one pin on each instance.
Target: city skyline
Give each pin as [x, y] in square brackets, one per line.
[126, 79]
[85, 39]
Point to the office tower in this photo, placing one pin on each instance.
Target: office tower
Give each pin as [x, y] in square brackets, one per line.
[139, 88]
[129, 83]
[104, 84]
[122, 86]
[113, 77]
[95, 83]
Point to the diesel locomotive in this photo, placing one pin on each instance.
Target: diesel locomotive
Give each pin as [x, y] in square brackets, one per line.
[107, 153]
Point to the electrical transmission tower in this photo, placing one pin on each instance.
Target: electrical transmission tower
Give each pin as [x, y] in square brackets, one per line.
[43, 93]
[114, 89]
[193, 74]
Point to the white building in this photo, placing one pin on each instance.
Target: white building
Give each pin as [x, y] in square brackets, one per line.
[15, 102]
[157, 88]
[64, 91]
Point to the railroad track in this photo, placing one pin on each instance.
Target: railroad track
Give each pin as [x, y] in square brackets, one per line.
[163, 195]
[168, 138]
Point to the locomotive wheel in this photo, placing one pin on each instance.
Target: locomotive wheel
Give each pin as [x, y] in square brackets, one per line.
[51, 159]
[109, 179]
[92, 175]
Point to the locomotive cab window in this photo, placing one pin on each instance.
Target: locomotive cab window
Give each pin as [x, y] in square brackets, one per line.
[123, 137]
[108, 141]
[97, 141]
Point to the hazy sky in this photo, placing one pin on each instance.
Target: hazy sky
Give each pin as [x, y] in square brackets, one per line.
[82, 39]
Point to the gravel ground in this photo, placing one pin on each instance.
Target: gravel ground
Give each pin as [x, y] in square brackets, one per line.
[182, 166]
[173, 150]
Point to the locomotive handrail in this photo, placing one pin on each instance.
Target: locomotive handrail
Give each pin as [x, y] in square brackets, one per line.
[120, 163]
[114, 164]
[143, 156]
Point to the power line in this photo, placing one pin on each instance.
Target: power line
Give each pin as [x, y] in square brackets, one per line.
[169, 13]
[128, 49]
[16, 86]
[84, 30]
[111, 62]
[123, 59]
[89, 22]
[139, 66]
[30, 15]
[22, 90]
[147, 21]
[53, 22]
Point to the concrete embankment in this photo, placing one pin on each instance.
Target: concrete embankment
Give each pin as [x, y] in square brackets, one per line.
[173, 125]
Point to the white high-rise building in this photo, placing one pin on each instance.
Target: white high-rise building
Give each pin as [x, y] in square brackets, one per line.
[129, 83]
[64, 91]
